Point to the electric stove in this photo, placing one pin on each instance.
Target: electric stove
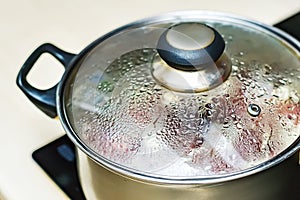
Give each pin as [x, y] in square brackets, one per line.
[58, 158]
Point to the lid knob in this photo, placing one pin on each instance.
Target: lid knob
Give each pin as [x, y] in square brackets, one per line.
[190, 58]
[190, 46]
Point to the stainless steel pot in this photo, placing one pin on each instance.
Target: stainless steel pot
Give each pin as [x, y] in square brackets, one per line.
[186, 105]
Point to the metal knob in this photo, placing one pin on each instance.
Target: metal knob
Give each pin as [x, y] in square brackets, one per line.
[190, 46]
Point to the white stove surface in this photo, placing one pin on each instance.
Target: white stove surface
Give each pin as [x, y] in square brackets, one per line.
[71, 25]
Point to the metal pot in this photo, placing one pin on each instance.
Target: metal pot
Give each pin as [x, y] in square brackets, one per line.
[186, 105]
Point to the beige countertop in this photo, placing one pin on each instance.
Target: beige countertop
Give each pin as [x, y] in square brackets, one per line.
[71, 25]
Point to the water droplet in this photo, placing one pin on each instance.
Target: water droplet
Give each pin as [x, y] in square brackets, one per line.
[209, 106]
[267, 68]
[146, 51]
[253, 110]
[283, 82]
[226, 124]
[209, 113]
[239, 126]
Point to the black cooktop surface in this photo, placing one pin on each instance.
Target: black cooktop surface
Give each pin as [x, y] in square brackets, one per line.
[291, 25]
[58, 158]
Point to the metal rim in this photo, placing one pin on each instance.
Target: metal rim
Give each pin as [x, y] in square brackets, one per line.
[151, 178]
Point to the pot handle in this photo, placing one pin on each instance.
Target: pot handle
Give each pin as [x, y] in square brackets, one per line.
[45, 100]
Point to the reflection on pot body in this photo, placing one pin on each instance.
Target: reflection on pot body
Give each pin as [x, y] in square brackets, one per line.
[102, 184]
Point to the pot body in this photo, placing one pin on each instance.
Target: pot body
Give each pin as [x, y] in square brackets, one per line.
[276, 183]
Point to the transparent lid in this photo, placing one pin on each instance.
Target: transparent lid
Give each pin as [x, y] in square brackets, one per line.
[223, 111]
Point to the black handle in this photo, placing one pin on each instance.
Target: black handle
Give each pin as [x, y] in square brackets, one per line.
[45, 100]
[190, 46]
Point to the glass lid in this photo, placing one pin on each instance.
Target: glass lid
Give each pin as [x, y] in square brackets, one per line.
[187, 97]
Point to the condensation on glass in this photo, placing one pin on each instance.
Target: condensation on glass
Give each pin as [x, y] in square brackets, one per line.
[123, 114]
